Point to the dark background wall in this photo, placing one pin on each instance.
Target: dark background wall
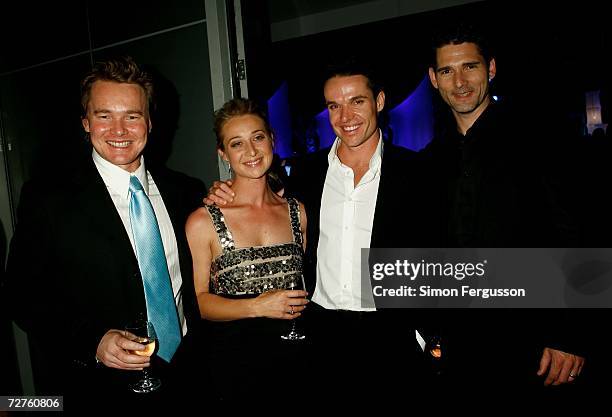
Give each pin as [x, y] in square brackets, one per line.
[46, 51]
[548, 56]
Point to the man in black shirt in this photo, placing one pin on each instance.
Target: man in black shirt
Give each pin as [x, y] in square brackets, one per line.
[495, 197]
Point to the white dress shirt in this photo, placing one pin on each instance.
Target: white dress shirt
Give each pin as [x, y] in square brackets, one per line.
[347, 215]
[117, 182]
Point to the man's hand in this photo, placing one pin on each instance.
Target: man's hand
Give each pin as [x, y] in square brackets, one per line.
[113, 352]
[562, 367]
[220, 193]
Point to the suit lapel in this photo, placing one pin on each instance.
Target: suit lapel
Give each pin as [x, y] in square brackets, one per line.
[96, 204]
[388, 187]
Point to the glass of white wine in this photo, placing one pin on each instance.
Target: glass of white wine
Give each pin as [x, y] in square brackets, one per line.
[143, 332]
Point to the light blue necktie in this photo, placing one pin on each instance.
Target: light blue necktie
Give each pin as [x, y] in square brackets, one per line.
[161, 309]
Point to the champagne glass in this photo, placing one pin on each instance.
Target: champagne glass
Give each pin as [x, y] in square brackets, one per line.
[294, 333]
[143, 332]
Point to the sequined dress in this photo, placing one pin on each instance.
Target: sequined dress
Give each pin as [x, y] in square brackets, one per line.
[247, 352]
[257, 269]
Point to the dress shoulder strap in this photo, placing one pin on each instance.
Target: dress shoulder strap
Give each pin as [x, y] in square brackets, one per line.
[226, 239]
[294, 216]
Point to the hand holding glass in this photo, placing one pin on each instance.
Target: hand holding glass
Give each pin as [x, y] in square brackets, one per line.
[143, 332]
[294, 333]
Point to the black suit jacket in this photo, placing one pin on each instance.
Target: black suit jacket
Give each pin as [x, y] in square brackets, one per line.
[401, 218]
[73, 275]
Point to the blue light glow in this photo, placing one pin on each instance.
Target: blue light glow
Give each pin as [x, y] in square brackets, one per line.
[324, 130]
[279, 115]
[412, 121]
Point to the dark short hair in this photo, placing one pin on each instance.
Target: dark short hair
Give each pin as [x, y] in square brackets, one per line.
[120, 70]
[456, 35]
[234, 108]
[354, 66]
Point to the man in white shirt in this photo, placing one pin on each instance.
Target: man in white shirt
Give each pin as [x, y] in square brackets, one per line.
[353, 194]
[74, 278]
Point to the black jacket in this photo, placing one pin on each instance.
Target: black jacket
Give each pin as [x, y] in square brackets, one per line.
[499, 190]
[73, 275]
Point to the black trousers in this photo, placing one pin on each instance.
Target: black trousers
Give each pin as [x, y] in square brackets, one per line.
[363, 356]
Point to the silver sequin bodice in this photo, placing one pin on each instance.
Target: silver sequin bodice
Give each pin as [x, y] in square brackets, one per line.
[257, 269]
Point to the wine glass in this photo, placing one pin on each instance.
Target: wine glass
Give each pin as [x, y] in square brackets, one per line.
[294, 333]
[143, 332]
[435, 347]
[436, 352]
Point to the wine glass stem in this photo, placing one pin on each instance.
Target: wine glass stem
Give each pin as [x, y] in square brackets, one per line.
[146, 374]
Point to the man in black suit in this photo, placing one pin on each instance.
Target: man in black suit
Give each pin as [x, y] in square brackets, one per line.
[74, 280]
[354, 197]
[497, 196]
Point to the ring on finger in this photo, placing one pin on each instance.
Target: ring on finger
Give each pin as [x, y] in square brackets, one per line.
[291, 310]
